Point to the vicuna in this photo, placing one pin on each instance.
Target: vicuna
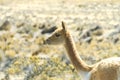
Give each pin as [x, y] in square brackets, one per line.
[107, 69]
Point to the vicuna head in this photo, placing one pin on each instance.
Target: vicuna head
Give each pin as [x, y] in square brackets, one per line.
[58, 37]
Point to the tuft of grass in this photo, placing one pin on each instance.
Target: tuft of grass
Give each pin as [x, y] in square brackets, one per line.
[10, 53]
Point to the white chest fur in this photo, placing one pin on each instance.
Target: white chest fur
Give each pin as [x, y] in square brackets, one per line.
[84, 75]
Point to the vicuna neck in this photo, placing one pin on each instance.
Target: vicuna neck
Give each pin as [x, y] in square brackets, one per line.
[78, 63]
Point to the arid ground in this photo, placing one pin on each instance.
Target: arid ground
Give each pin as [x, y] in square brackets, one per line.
[25, 24]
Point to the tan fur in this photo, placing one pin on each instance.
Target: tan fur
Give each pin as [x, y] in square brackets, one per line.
[108, 69]
[74, 57]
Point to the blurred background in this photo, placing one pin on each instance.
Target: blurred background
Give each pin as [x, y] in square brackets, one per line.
[25, 24]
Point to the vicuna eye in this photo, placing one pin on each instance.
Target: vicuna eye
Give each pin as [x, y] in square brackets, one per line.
[57, 35]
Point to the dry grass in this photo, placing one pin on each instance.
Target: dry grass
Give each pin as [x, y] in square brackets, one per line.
[54, 67]
[55, 1]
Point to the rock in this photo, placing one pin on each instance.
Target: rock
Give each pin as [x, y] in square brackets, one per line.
[95, 28]
[111, 35]
[87, 34]
[116, 40]
[49, 30]
[37, 25]
[6, 25]
[88, 39]
[20, 24]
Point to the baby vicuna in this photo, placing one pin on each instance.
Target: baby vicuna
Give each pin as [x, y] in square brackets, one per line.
[108, 69]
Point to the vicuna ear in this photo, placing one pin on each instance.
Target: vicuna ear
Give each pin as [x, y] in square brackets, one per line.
[63, 26]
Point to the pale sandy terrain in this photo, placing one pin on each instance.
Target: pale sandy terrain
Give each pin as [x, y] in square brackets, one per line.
[25, 24]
